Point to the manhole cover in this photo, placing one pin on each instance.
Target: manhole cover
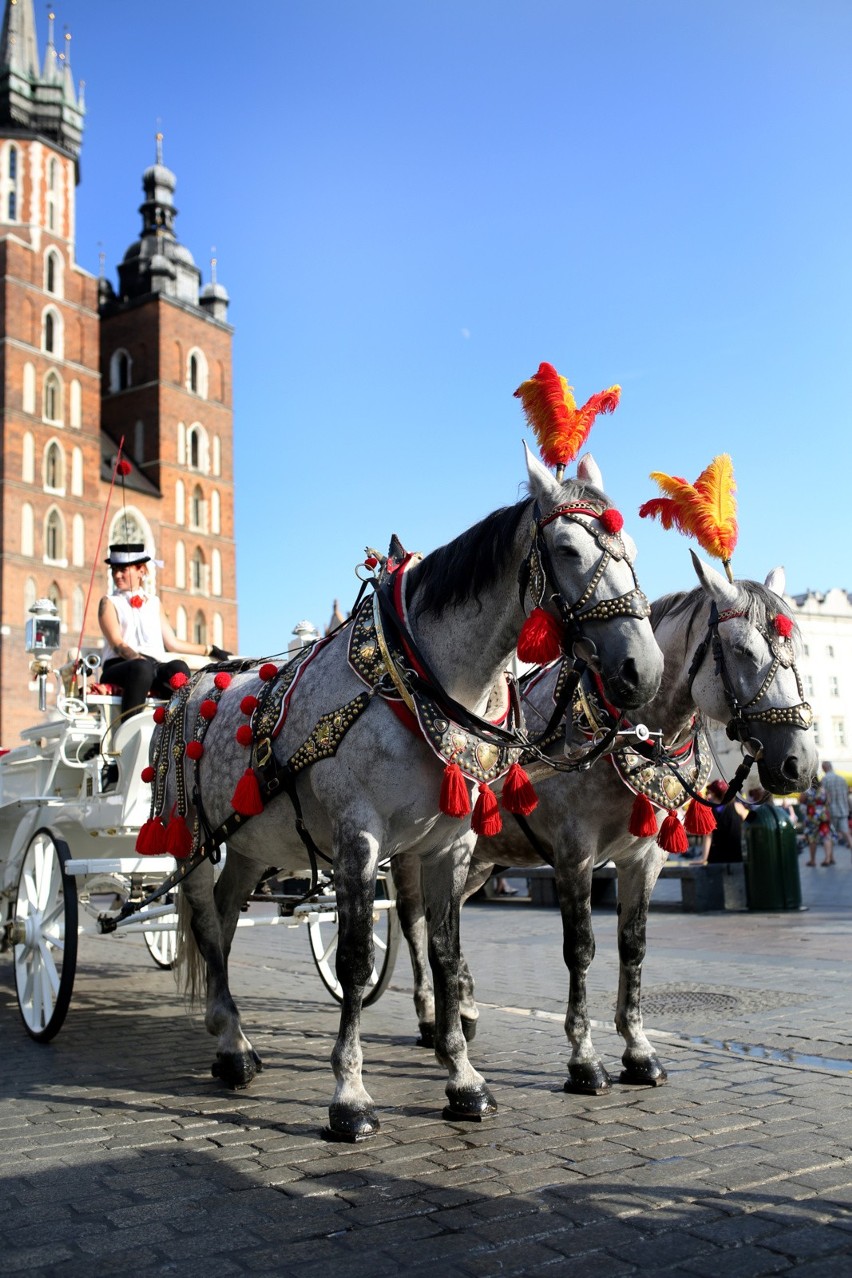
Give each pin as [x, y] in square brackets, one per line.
[682, 1002]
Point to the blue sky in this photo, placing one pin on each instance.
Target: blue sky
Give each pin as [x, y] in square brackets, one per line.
[414, 202]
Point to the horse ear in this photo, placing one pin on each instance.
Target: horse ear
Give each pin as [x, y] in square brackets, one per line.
[543, 485]
[776, 581]
[588, 469]
[717, 587]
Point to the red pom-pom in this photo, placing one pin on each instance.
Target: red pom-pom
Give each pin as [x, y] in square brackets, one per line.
[208, 709]
[249, 704]
[699, 819]
[643, 818]
[518, 795]
[222, 680]
[246, 799]
[672, 836]
[178, 680]
[244, 735]
[612, 520]
[371, 562]
[147, 775]
[783, 625]
[194, 749]
[159, 714]
[178, 838]
[454, 800]
[123, 467]
[136, 601]
[540, 640]
[268, 671]
[486, 815]
[151, 840]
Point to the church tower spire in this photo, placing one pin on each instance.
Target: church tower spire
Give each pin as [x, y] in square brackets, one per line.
[44, 103]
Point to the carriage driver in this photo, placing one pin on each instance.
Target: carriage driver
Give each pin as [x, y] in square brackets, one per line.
[138, 636]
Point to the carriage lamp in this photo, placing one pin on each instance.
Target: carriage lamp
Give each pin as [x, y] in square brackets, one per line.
[42, 640]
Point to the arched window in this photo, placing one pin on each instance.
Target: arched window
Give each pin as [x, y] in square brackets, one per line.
[198, 457]
[28, 458]
[28, 402]
[78, 542]
[120, 367]
[180, 567]
[11, 185]
[216, 573]
[197, 572]
[52, 397]
[27, 529]
[51, 332]
[196, 508]
[77, 473]
[218, 630]
[196, 373]
[217, 455]
[78, 603]
[180, 622]
[52, 186]
[75, 412]
[53, 273]
[54, 468]
[181, 444]
[180, 503]
[13, 162]
[54, 537]
[49, 335]
[199, 629]
[54, 594]
[30, 594]
[215, 512]
[193, 373]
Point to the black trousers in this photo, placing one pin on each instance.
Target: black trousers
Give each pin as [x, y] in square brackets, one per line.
[138, 677]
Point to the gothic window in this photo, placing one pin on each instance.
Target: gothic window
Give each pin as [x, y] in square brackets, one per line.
[119, 371]
[215, 512]
[217, 455]
[78, 542]
[180, 622]
[28, 400]
[54, 537]
[193, 373]
[30, 594]
[52, 398]
[197, 572]
[75, 413]
[51, 332]
[28, 458]
[54, 468]
[10, 185]
[78, 602]
[13, 207]
[51, 194]
[196, 509]
[54, 594]
[181, 444]
[77, 473]
[216, 573]
[180, 503]
[180, 568]
[199, 629]
[53, 273]
[218, 630]
[49, 336]
[27, 529]
[196, 447]
[196, 373]
[13, 162]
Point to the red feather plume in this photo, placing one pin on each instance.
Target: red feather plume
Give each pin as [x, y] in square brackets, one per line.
[705, 510]
[560, 427]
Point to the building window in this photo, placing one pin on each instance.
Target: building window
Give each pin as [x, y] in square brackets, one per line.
[216, 573]
[839, 732]
[197, 572]
[51, 195]
[48, 332]
[54, 468]
[180, 503]
[78, 542]
[181, 444]
[215, 513]
[196, 509]
[180, 622]
[217, 456]
[806, 652]
[808, 685]
[833, 686]
[13, 162]
[54, 538]
[28, 458]
[51, 333]
[119, 371]
[816, 732]
[53, 273]
[198, 457]
[196, 373]
[30, 594]
[52, 398]
[78, 602]
[218, 630]
[199, 629]
[54, 594]
[180, 568]
[27, 529]
[29, 389]
[829, 651]
[76, 406]
[77, 473]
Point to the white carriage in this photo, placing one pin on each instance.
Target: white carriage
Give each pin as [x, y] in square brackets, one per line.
[71, 804]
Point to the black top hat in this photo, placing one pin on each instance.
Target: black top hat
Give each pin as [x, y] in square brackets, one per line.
[125, 553]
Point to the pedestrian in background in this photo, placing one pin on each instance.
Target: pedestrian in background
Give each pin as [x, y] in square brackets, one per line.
[837, 794]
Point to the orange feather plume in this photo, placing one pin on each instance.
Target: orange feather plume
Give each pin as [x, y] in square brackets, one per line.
[560, 427]
[705, 510]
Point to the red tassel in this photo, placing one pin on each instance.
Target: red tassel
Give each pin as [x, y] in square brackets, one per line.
[178, 838]
[222, 680]
[540, 640]
[699, 819]
[159, 714]
[194, 750]
[518, 794]
[612, 520]
[249, 704]
[151, 840]
[244, 735]
[486, 815]
[246, 799]
[454, 800]
[643, 818]
[672, 836]
[147, 775]
[268, 671]
[208, 709]
[178, 680]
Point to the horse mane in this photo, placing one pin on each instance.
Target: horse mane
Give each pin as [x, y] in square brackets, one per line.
[465, 567]
[760, 604]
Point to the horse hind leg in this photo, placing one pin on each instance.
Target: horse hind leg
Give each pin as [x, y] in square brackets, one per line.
[213, 921]
[586, 1073]
[409, 908]
[478, 874]
[642, 1066]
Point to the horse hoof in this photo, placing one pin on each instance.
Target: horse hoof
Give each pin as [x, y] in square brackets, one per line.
[469, 1027]
[349, 1124]
[588, 1080]
[236, 1069]
[648, 1073]
[469, 1105]
[427, 1034]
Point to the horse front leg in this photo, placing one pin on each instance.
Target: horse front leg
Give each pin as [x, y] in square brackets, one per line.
[214, 920]
[586, 1073]
[635, 885]
[443, 878]
[352, 1115]
[412, 919]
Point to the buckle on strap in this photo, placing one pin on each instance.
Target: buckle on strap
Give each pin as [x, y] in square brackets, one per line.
[263, 751]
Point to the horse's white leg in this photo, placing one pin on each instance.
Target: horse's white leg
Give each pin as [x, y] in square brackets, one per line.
[214, 918]
[586, 1072]
[352, 1115]
[443, 878]
[412, 920]
[635, 885]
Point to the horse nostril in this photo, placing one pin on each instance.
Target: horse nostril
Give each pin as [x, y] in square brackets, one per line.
[790, 768]
[629, 673]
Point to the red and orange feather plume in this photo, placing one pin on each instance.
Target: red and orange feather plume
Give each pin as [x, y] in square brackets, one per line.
[560, 427]
[705, 510]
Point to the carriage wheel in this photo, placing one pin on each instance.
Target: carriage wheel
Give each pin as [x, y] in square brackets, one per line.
[322, 933]
[44, 934]
[162, 946]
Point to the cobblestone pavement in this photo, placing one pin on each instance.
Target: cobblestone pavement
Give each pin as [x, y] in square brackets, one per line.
[122, 1155]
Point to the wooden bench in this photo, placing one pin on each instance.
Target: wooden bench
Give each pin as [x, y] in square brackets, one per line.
[702, 887]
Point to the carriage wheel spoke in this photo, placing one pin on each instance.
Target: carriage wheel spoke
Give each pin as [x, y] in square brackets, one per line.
[49, 973]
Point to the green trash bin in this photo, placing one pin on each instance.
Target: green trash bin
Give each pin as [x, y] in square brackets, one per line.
[772, 860]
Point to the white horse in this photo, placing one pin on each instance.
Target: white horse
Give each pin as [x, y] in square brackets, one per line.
[728, 658]
[372, 789]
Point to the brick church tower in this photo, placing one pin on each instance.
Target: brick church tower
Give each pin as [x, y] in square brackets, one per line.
[85, 365]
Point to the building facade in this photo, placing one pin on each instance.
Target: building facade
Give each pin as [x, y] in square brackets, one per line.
[825, 621]
[88, 368]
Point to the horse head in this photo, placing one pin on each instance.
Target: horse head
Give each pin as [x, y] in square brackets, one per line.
[744, 675]
[580, 569]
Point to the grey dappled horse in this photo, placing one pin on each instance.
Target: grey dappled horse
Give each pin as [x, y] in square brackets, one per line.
[581, 819]
[378, 795]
